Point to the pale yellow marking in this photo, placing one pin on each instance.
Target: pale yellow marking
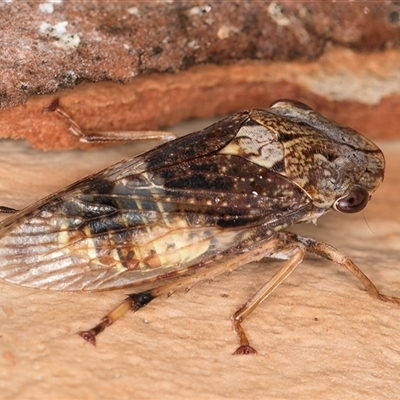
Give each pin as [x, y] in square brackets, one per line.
[188, 249]
[118, 266]
[159, 204]
[181, 245]
[232, 148]
[250, 140]
[280, 227]
[139, 204]
[167, 255]
[321, 157]
[91, 248]
[301, 182]
[63, 236]
[145, 250]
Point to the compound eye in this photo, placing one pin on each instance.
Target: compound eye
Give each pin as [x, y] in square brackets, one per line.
[354, 202]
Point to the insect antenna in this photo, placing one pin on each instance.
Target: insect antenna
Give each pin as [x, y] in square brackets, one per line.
[369, 226]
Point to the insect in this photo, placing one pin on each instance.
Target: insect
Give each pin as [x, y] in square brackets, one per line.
[195, 207]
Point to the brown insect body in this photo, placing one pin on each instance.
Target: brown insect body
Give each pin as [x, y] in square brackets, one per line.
[221, 194]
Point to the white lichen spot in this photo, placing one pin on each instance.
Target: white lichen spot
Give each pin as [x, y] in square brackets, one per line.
[276, 13]
[46, 8]
[197, 10]
[194, 44]
[59, 36]
[226, 31]
[133, 11]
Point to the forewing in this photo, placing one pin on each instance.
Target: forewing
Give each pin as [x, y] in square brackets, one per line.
[161, 219]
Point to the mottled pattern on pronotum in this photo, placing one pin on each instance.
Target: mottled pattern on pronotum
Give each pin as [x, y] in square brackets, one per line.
[195, 207]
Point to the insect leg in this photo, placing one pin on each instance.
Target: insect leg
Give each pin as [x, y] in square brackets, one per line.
[119, 311]
[303, 245]
[330, 253]
[296, 255]
[106, 136]
[135, 301]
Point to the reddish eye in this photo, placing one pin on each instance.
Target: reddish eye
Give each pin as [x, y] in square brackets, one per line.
[354, 202]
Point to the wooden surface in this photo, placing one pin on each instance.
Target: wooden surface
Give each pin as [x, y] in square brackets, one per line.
[318, 336]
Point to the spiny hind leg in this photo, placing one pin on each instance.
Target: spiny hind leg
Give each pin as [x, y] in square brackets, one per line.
[106, 136]
[135, 301]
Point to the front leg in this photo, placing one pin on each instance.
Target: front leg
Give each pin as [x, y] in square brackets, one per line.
[297, 246]
[240, 315]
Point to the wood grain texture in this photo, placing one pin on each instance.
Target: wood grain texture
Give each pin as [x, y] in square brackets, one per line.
[318, 336]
